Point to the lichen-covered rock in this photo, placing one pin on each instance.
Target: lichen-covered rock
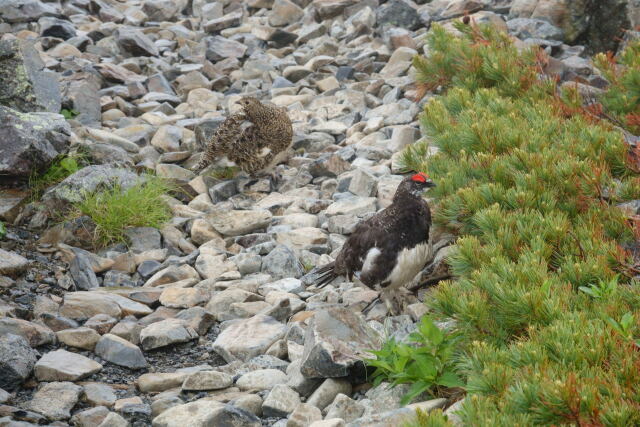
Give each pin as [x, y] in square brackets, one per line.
[17, 359]
[30, 141]
[25, 85]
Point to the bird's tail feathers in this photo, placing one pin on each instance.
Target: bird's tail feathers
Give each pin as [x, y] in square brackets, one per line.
[325, 275]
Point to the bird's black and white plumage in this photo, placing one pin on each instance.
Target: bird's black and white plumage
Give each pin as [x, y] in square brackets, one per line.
[389, 249]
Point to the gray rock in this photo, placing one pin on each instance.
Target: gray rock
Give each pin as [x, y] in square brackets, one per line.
[219, 48]
[143, 239]
[85, 338]
[336, 340]
[327, 392]
[35, 334]
[204, 413]
[282, 262]
[238, 222]
[331, 165]
[345, 407]
[262, 379]
[62, 365]
[90, 417]
[99, 394]
[135, 42]
[116, 420]
[117, 350]
[17, 359]
[83, 95]
[12, 264]
[161, 10]
[88, 179]
[280, 402]
[31, 140]
[56, 399]
[25, 84]
[15, 11]
[398, 13]
[160, 381]
[207, 380]
[197, 318]
[81, 272]
[247, 338]
[525, 28]
[54, 27]
[166, 332]
[304, 415]
[303, 385]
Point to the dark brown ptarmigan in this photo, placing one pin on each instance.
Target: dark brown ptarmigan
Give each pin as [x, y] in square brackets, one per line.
[389, 249]
[255, 148]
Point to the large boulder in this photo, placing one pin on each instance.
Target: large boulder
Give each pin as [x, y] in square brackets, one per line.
[25, 85]
[26, 10]
[336, 340]
[17, 359]
[30, 141]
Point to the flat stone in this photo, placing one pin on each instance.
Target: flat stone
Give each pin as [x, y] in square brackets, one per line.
[90, 417]
[247, 338]
[236, 222]
[160, 381]
[207, 380]
[304, 415]
[345, 407]
[85, 338]
[281, 262]
[56, 399]
[62, 365]
[213, 266]
[135, 42]
[352, 206]
[183, 297]
[197, 318]
[98, 394]
[83, 305]
[12, 264]
[120, 351]
[205, 413]
[263, 379]
[17, 359]
[166, 332]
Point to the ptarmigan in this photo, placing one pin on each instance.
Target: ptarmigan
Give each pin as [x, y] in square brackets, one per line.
[389, 249]
[255, 148]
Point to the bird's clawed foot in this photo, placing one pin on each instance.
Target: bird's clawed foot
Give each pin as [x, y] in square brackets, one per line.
[395, 301]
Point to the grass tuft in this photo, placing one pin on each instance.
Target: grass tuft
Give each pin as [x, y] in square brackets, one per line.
[228, 172]
[59, 169]
[116, 209]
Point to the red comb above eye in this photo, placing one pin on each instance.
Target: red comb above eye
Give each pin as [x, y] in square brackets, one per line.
[420, 177]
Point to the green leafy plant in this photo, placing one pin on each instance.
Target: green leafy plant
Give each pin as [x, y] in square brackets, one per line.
[425, 362]
[625, 327]
[435, 418]
[602, 289]
[116, 209]
[59, 169]
[69, 113]
[3, 230]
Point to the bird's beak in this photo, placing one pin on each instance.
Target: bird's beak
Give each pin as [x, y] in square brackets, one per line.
[430, 183]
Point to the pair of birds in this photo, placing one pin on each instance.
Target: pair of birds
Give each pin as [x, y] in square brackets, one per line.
[384, 252]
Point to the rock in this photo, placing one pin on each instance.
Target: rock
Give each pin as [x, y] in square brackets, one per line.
[331, 165]
[344, 407]
[207, 380]
[90, 417]
[247, 338]
[220, 48]
[143, 239]
[25, 84]
[332, 422]
[197, 318]
[173, 274]
[62, 365]
[203, 413]
[280, 402]
[16, 11]
[166, 332]
[236, 223]
[213, 266]
[161, 10]
[114, 420]
[525, 28]
[263, 379]
[183, 297]
[398, 416]
[282, 262]
[98, 394]
[120, 351]
[55, 400]
[352, 206]
[83, 305]
[54, 27]
[81, 271]
[327, 392]
[17, 359]
[304, 415]
[399, 62]
[88, 179]
[363, 183]
[302, 238]
[85, 338]
[135, 42]
[397, 13]
[284, 12]
[32, 141]
[35, 334]
[331, 8]
[336, 339]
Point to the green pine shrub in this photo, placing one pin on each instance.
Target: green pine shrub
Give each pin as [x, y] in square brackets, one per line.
[115, 209]
[546, 309]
